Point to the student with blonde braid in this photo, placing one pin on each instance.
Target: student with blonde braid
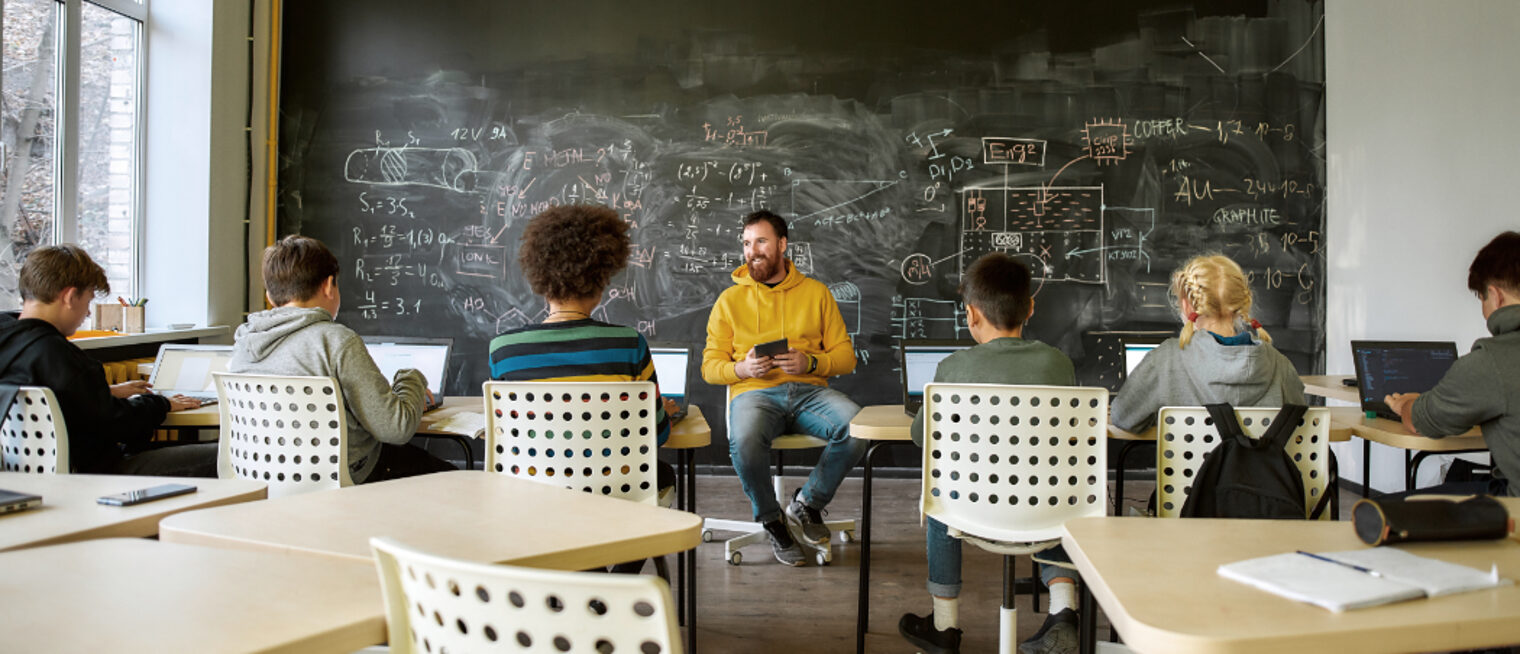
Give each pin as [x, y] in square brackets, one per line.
[1232, 360]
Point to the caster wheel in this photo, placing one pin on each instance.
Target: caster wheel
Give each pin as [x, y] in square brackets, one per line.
[847, 536]
[821, 559]
[735, 558]
[707, 535]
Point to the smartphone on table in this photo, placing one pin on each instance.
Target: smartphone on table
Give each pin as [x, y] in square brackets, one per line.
[145, 495]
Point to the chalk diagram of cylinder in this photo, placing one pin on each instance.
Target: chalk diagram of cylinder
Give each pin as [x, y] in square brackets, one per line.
[452, 169]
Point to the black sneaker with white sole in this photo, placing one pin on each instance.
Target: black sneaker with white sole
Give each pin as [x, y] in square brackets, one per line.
[787, 551]
[920, 631]
[1057, 636]
[807, 520]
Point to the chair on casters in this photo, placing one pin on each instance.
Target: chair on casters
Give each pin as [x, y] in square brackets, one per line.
[597, 437]
[289, 432]
[34, 437]
[1006, 466]
[437, 604]
[1184, 435]
[754, 532]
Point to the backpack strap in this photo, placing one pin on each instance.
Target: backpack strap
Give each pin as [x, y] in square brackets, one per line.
[1283, 425]
[1226, 424]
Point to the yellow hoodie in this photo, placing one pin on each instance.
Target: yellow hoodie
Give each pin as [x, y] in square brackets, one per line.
[749, 313]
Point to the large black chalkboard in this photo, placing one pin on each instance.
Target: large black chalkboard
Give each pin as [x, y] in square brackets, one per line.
[1102, 142]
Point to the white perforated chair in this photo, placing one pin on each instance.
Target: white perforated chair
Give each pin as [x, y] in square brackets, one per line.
[436, 604]
[1185, 434]
[598, 437]
[1006, 466]
[34, 437]
[288, 432]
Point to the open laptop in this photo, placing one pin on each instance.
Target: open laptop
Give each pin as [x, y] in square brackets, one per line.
[430, 356]
[186, 370]
[920, 359]
[1387, 367]
[671, 365]
[1136, 346]
[11, 501]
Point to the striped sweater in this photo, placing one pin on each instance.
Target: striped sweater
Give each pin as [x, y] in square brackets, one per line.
[579, 351]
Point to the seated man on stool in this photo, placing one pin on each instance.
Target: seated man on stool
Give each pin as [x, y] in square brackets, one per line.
[785, 393]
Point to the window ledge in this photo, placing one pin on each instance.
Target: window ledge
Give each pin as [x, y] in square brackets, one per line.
[152, 336]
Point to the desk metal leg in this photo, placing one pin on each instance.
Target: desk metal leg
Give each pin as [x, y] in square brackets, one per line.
[1335, 487]
[687, 494]
[1366, 468]
[863, 593]
[1087, 622]
[1124, 451]
[1408, 472]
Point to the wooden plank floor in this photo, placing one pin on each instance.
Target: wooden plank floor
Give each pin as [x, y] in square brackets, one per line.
[763, 607]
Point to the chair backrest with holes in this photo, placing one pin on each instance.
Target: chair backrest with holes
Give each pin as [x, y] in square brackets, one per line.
[34, 437]
[1184, 434]
[598, 437]
[437, 604]
[1013, 463]
[288, 432]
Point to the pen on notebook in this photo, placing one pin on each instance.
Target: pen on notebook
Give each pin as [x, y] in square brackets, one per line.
[1353, 566]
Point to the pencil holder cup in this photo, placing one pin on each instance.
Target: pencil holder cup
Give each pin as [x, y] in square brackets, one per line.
[119, 317]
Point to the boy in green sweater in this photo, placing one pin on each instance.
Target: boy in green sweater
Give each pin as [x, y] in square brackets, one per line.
[996, 291]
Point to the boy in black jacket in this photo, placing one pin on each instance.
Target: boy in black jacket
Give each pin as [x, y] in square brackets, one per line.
[109, 426]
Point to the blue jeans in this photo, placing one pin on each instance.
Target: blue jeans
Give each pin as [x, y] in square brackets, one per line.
[1048, 572]
[945, 562]
[755, 418]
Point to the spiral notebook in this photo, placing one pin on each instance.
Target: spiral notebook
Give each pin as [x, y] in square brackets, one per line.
[1356, 579]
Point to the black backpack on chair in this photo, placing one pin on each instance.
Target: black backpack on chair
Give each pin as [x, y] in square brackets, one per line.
[1250, 478]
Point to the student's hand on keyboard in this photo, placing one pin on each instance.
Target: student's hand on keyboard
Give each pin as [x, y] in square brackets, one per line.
[128, 389]
[181, 403]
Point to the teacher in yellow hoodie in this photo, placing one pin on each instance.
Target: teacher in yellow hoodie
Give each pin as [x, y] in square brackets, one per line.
[784, 393]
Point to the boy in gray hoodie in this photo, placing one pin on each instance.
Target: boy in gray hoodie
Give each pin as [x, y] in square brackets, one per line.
[300, 337]
[1483, 387]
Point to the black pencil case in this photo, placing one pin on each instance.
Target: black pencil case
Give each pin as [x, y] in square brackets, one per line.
[1384, 522]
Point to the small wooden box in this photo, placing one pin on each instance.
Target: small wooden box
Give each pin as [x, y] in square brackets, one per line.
[121, 318]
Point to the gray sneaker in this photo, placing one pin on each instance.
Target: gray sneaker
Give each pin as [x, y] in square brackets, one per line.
[787, 551]
[1057, 636]
[807, 521]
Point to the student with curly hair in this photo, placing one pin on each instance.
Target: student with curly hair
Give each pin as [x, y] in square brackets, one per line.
[569, 254]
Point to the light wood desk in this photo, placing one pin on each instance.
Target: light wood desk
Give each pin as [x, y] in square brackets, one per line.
[1178, 604]
[69, 511]
[882, 425]
[466, 514]
[135, 595]
[1331, 386]
[1387, 432]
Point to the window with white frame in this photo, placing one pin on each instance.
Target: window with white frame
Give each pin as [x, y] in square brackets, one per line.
[70, 134]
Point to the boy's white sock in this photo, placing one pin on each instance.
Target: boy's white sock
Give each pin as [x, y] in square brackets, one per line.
[946, 612]
[1063, 595]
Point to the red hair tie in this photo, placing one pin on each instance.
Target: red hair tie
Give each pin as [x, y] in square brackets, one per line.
[1255, 324]
[1193, 316]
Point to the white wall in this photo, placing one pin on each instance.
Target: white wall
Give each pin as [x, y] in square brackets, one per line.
[196, 102]
[1422, 156]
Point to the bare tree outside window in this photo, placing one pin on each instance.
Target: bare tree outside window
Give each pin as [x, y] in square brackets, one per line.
[27, 134]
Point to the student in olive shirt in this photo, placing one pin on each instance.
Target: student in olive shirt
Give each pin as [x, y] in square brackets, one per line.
[996, 290]
[1483, 387]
